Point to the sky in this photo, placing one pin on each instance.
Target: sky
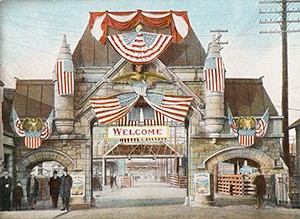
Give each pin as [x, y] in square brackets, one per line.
[32, 32]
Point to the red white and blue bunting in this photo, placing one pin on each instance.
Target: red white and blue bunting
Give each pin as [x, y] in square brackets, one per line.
[247, 128]
[140, 47]
[112, 109]
[34, 130]
[122, 21]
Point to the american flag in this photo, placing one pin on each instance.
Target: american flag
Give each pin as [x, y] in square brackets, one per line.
[231, 122]
[159, 119]
[17, 123]
[47, 130]
[64, 77]
[171, 106]
[262, 125]
[140, 47]
[125, 122]
[246, 137]
[112, 109]
[214, 75]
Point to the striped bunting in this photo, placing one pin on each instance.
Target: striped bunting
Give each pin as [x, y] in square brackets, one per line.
[159, 119]
[65, 77]
[140, 48]
[109, 110]
[173, 107]
[214, 76]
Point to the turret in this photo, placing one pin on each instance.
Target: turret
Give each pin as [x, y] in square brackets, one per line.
[64, 91]
[214, 92]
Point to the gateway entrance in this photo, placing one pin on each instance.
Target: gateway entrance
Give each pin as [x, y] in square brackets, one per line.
[135, 161]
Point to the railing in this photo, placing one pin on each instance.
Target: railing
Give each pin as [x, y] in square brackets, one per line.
[178, 181]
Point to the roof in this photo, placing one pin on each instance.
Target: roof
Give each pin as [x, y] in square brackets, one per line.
[295, 124]
[247, 97]
[89, 52]
[34, 98]
[141, 150]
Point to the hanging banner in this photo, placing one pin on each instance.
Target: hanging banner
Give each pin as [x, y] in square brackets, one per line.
[127, 132]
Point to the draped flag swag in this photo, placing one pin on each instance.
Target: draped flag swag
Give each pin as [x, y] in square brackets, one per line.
[112, 109]
[246, 128]
[33, 130]
[140, 47]
[100, 21]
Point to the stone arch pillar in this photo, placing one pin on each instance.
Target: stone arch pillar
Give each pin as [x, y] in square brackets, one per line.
[265, 161]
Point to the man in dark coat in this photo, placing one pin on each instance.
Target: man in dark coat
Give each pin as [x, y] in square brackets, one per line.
[260, 189]
[54, 188]
[66, 182]
[18, 195]
[6, 184]
[32, 188]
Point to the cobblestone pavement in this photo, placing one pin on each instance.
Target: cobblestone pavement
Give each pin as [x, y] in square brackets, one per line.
[156, 200]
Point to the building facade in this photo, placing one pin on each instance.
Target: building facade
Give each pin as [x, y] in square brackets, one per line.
[207, 130]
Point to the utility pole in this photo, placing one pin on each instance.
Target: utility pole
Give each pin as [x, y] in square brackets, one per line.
[283, 22]
[219, 34]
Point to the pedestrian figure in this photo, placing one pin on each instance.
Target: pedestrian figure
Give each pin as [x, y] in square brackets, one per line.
[260, 189]
[32, 188]
[6, 184]
[54, 189]
[111, 181]
[115, 180]
[66, 183]
[18, 195]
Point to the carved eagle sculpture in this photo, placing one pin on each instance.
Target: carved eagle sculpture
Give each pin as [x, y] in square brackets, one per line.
[140, 81]
[32, 124]
[246, 123]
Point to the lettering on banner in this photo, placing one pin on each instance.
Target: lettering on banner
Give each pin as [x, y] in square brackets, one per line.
[124, 132]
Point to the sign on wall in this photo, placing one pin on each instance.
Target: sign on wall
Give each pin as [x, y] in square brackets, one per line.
[117, 132]
[202, 184]
[78, 187]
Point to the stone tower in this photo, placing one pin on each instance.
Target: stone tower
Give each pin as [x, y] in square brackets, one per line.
[64, 91]
[214, 92]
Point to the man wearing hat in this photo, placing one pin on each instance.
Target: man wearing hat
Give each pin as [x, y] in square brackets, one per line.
[32, 188]
[54, 188]
[6, 183]
[66, 183]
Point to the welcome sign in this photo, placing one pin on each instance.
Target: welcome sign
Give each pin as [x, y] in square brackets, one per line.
[117, 132]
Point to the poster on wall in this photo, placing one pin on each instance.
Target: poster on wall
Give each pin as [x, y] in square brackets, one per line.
[78, 187]
[202, 184]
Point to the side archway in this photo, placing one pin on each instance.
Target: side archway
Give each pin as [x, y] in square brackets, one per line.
[265, 161]
[34, 157]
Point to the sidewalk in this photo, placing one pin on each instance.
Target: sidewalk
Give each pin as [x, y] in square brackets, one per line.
[155, 200]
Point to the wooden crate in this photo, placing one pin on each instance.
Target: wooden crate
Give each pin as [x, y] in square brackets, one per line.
[235, 184]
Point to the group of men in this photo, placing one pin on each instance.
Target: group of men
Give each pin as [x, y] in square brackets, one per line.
[59, 186]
